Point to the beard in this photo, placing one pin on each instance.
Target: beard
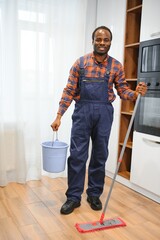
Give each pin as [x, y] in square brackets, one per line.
[100, 53]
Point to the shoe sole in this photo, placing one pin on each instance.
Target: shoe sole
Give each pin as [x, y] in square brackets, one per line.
[93, 207]
[68, 212]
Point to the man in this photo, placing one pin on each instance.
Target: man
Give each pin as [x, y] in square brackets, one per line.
[90, 85]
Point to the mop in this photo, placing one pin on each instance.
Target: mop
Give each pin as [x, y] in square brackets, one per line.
[114, 222]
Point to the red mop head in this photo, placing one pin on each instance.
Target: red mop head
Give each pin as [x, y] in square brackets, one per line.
[97, 225]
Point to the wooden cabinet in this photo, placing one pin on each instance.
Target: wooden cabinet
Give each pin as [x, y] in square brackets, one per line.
[145, 169]
[131, 51]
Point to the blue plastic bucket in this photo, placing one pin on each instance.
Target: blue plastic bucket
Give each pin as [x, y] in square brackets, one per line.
[54, 156]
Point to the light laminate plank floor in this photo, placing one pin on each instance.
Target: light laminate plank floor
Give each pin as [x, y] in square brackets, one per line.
[31, 212]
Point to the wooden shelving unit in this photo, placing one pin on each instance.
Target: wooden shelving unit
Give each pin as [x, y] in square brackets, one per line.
[131, 51]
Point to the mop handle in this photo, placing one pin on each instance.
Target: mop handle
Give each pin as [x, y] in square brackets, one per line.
[120, 157]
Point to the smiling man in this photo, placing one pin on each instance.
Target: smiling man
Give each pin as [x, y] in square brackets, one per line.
[101, 39]
[90, 85]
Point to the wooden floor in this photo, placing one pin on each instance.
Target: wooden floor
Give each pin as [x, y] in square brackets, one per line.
[31, 212]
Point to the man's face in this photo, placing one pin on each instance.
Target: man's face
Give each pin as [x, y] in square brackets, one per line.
[101, 42]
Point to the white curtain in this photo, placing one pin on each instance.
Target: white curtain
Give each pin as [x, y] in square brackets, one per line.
[39, 41]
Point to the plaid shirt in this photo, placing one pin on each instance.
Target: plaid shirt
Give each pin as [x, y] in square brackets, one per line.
[94, 69]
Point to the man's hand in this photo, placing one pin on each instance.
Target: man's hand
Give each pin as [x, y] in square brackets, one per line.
[57, 122]
[141, 89]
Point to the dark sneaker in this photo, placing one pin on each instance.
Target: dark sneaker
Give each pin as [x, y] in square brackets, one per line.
[69, 206]
[94, 202]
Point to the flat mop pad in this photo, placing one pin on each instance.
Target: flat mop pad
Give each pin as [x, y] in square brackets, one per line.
[97, 225]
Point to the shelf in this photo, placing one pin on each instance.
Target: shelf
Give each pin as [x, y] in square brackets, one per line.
[125, 174]
[127, 109]
[131, 62]
[128, 145]
[132, 45]
[127, 113]
[133, 23]
[135, 9]
[131, 79]
[133, 3]
[125, 165]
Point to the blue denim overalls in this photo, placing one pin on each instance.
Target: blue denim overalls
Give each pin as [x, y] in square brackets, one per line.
[92, 117]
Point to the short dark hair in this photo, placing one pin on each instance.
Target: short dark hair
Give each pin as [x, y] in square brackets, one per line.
[101, 27]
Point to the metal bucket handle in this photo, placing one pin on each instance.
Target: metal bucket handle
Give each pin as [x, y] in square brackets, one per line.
[53, 138]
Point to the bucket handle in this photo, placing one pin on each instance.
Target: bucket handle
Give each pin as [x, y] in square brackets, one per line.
[54, 137]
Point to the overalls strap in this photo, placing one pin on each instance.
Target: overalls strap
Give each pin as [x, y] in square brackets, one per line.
[82, 70]
[94, 89]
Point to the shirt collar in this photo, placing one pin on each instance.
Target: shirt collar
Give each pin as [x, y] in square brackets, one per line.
[93, 56]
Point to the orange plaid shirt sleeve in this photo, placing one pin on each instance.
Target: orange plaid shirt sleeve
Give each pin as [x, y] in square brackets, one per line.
[93, 69]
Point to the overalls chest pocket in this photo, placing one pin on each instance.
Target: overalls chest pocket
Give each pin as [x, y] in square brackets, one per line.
[94, 89]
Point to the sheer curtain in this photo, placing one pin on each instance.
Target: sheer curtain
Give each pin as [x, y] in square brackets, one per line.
[39, 41]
